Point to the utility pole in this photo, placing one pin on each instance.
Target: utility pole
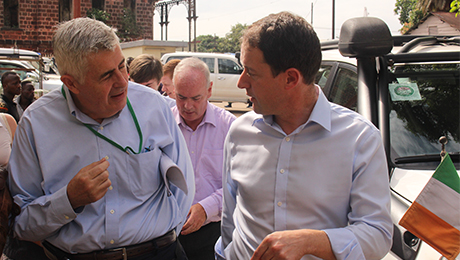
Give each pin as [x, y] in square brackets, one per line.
[311, 14]
[333, 19]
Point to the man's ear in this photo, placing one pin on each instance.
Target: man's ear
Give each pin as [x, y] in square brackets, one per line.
[210, 90]
[293, 77]
[71, 83]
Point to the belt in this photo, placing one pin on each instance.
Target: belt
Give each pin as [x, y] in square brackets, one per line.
[121, 253]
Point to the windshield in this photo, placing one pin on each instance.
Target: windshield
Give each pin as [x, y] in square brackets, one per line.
[424, 107]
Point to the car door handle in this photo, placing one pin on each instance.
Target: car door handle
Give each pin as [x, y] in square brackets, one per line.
[221, 78]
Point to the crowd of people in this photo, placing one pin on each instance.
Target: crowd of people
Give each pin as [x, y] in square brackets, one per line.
[130, 160]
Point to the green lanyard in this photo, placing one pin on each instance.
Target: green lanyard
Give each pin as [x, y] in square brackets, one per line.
[127, 149]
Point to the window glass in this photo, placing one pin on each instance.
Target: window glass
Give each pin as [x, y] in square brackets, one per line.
[424, 105]
[228, 66]
[11, 13]
[345, 89]
[210, 63]
[322, 75]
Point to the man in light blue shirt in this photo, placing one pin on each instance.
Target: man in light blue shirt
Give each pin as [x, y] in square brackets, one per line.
[303, 178]
[96, 171]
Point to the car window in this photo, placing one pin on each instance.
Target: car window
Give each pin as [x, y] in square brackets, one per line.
[322, 75]
[345, 89]
[17, 68]
[424, 106]
[228, 66]
[209, 62]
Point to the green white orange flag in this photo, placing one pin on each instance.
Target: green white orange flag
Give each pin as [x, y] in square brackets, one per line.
[434, 216]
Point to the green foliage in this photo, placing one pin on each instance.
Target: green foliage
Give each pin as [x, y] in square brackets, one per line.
[98, 14]
[455, 7]
[412, 11]
[229, 43]
[129, 28]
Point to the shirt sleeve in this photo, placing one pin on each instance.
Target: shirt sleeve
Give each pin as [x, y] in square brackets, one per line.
[370, 231]
[229, 190]
[41, 214]
[212, 205]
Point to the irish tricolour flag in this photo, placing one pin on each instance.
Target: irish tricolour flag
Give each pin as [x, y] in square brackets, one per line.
[434, 216]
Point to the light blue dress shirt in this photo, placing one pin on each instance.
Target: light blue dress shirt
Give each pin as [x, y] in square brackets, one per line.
[151, 192]
[206, 145]
[329, 174]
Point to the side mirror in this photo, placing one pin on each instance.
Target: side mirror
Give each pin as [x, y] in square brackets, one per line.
[365, 37]
[238, 56]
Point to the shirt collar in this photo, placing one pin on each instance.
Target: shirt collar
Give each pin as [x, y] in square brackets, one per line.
[209, 118]
[321, 115]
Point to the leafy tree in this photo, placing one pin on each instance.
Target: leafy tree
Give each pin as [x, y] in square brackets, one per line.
[129, 28]
[412, 11]
[229, 43]
[98, 14]
[209, 43]
[455, 7]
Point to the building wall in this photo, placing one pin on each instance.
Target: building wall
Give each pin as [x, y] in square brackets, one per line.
[156, 51]
[434, 26]
[37, 19]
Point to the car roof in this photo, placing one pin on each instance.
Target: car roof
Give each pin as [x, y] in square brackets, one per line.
[17, 53]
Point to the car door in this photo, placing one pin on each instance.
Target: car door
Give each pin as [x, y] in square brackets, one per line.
[339, 82]
[225, 82]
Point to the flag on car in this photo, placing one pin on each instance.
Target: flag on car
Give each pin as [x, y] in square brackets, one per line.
[434, 216]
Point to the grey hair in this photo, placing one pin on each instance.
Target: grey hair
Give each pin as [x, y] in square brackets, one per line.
[194, 63]
[76, 39]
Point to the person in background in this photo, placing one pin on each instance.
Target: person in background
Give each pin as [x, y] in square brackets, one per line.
[11, 84]
[26, 97]
[7, 128]
[304, 178]
[167, 79]
[128, 63]
[96, 172]
[204, 127]
[146, 70]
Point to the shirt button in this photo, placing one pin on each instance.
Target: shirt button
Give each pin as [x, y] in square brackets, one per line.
[282, 170]
[112, 211]
[279, 203]
[66, 217]
[288, 139]
[110, 188]
[193, 152]
[111, 241]
[101, 128]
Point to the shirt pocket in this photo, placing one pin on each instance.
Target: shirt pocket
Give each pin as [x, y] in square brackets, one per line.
[144, 174]
[211, 166]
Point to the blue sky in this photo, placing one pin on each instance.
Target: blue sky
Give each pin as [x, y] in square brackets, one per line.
[216, 17]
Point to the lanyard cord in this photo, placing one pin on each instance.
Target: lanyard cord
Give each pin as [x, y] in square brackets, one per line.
[127, 149]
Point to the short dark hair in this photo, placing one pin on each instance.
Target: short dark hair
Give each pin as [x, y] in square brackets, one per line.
[286, 41]
[6, 73]
[144, 68]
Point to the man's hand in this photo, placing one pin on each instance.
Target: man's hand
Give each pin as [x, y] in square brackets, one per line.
[294, 244]
[196, 218]
[89, 185]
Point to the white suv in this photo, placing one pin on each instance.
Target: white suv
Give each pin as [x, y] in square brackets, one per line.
[28, 64]
[426, 72]
[225, 72]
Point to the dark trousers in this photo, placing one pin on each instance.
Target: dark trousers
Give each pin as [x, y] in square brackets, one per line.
[171, 252]
[200, 244]
[23, 250]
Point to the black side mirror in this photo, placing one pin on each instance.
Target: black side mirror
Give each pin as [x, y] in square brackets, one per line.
[365, 37]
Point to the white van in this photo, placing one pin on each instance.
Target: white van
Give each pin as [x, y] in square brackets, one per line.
[225, 72]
